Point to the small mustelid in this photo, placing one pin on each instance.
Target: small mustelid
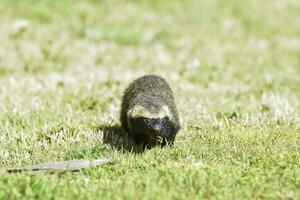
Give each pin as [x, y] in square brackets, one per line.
[148, 112]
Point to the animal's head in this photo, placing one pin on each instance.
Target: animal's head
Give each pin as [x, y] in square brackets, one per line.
[152, 123]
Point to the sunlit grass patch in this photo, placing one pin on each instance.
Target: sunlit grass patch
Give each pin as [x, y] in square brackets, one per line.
[234, 69]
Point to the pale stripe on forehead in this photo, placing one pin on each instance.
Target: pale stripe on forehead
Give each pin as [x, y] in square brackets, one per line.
[140, 111]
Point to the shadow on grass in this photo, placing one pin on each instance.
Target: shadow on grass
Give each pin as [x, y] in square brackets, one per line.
[118, 139]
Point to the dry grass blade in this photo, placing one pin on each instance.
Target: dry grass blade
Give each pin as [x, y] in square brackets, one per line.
[70, 165]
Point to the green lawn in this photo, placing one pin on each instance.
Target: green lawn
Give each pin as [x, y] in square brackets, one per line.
[234, 67]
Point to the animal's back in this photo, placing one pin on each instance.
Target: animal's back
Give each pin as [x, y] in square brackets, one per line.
[148, 86]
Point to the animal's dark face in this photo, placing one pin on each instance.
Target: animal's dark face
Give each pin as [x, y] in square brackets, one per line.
[152, 127]
[152, 131]
[151, 124]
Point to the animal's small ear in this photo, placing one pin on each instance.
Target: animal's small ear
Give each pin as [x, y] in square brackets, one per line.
[166, 111]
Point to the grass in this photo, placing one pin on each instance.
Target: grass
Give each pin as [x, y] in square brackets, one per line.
[234, 67]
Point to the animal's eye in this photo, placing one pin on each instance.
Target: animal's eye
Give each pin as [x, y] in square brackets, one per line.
[147, 120]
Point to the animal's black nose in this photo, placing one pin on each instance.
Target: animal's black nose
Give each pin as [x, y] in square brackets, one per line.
[156, 127]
